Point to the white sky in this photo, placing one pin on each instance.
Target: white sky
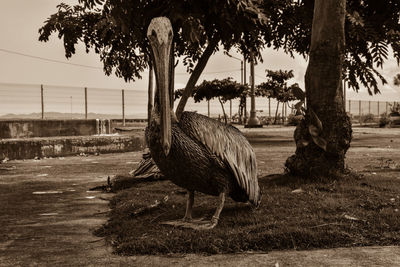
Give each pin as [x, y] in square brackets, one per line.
[21, 19]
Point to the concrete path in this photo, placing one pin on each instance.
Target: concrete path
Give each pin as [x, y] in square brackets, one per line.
[47, 217]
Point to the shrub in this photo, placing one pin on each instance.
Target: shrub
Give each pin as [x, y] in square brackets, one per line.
[367, 118]
[294, 120]
[384, 120]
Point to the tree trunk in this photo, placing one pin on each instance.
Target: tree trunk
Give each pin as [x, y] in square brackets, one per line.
[276, 113]
[194, 77]
[323, 138]
[150, 95]
[223, 110]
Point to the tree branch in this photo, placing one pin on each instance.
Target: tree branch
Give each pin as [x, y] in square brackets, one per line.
[195, 76]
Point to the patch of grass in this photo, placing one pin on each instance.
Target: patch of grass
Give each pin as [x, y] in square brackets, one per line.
[353, 211]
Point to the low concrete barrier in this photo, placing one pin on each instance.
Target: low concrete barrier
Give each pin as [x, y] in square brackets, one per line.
[48, 128]
[68, 146]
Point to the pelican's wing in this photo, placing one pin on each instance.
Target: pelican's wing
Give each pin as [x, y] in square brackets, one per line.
[229, 144]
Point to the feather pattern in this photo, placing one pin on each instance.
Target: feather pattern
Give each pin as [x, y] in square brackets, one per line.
[230, 146]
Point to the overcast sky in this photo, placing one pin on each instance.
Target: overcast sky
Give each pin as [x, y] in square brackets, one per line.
[21, 19]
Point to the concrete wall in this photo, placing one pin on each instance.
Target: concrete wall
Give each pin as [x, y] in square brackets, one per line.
[68, 146]
[48, 128]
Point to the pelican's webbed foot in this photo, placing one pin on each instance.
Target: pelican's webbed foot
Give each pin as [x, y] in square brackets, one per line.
[198, 224]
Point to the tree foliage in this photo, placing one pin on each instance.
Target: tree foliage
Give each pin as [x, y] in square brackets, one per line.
[396, 80]
[223, 90]
[276, 86]
[116, 29]
[226, 89]
[371, 27]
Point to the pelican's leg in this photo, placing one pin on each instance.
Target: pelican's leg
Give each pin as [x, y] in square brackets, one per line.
[215, 217]
[187, 221]
[201, 225]
[189, 207]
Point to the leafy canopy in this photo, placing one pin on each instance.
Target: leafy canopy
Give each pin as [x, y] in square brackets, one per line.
[116, 29]
[372, 27]
[225, 90]
[276, 86]
[396, 80]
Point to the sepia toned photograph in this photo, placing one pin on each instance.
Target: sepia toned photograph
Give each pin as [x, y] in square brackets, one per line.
[200, 133]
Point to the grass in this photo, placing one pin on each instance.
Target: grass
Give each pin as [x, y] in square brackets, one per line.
[353, 211]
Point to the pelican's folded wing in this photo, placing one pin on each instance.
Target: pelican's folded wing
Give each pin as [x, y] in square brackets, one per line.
[229, 144]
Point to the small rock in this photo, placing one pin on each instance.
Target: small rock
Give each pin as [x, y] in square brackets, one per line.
[5, 160]
[393, 199]
[46, 192]
[298, 190]
[351, 218]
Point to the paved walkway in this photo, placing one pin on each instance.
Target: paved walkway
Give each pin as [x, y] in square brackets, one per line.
[47, 217]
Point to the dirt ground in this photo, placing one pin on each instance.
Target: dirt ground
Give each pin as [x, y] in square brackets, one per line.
[48, 215]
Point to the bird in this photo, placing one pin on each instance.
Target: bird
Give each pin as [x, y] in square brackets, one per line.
[196, 152]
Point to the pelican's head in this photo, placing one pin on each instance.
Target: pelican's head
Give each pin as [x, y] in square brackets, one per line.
[160, 34]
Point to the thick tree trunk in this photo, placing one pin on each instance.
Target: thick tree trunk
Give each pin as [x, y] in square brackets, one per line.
[150, 95]
[323, 138]
[194, 77]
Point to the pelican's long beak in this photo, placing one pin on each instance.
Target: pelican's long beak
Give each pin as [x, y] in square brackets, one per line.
[160, 35]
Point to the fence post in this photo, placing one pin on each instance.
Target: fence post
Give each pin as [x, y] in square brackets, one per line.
[208, 108]
[41, 99]
[359, 111]
[378, 111]
[350, 107]
[369, 107]
[386, 108]
[85, 103]
[123, 107]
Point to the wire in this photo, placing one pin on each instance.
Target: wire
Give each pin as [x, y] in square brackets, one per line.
[93, 67]
[47, 59]
[211, 72]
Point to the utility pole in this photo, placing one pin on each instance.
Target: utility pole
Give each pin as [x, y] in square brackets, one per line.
[253, 120]
[241, 81]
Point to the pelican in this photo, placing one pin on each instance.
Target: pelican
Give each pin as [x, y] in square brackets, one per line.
[196, 152]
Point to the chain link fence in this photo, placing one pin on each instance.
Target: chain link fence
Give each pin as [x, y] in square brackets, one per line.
[21, 101]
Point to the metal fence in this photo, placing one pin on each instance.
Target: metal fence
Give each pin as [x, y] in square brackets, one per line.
[19, 101]
[358, 108]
